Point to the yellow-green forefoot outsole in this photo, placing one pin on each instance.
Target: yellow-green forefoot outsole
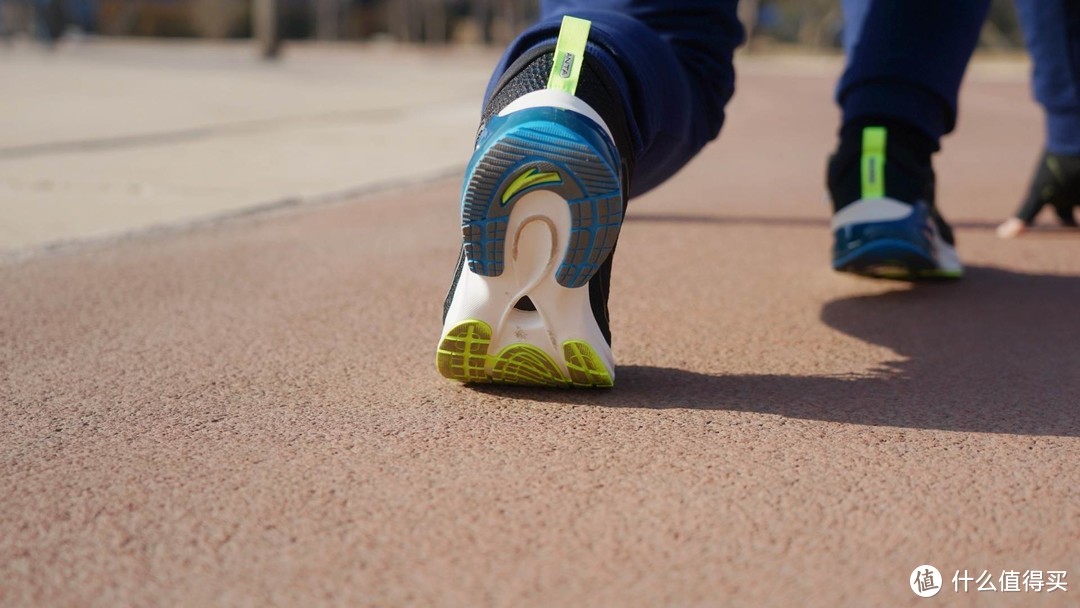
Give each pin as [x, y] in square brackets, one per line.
[463, 355]
[586, 369]
[526, 365]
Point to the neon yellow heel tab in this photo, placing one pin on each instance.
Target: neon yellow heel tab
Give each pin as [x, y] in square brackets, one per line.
[873, 162]
[569, 54]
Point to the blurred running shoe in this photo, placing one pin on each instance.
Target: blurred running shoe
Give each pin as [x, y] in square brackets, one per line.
[885, 223]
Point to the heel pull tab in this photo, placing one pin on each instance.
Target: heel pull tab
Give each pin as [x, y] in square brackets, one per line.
[873, 162]
[569, 54]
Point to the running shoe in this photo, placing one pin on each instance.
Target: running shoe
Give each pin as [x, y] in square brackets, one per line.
[541, 209]
[885, 223]
[1056, 183]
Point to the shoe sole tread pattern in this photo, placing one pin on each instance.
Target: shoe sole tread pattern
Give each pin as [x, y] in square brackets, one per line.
[527, 150]
[464, 355]
[590, 186]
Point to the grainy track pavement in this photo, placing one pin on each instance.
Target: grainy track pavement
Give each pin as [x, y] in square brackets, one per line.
[248, 413]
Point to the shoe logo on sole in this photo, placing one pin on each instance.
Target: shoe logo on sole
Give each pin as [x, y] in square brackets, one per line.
[531, 178]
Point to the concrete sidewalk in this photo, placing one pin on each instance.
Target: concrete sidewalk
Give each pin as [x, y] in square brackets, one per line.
[103, 138]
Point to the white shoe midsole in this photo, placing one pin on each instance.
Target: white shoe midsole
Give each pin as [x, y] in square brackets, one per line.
[537, 237]
[553, 98]
[870, 210]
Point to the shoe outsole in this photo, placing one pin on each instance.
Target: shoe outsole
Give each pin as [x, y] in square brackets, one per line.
[893, 259]
[562, 174]
[587, 181]
[464, 355]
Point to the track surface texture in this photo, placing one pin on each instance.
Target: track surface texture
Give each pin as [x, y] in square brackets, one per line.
[248, 413]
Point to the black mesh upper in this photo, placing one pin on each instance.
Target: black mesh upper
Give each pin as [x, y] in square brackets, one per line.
[595, 87]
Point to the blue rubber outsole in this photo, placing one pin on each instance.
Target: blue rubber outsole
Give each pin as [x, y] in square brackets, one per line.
[893, 259]
[570, 156]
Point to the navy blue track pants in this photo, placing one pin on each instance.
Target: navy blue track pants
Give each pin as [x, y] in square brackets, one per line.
[672, 60]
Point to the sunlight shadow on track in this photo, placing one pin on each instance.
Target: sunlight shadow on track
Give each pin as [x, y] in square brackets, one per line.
[995, 353]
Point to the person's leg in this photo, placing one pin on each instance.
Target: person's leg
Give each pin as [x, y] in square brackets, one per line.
[906, 59]
[670, 61]
[599, 101]
[1052, 34]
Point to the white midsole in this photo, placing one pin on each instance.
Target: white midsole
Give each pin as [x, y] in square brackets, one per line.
[870, 210]
[554, 98]
[537, 237]
[947, 258]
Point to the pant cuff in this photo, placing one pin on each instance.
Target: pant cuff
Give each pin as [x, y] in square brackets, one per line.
[909, 103]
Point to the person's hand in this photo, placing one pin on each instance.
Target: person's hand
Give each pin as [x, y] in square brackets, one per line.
[1056, 183]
